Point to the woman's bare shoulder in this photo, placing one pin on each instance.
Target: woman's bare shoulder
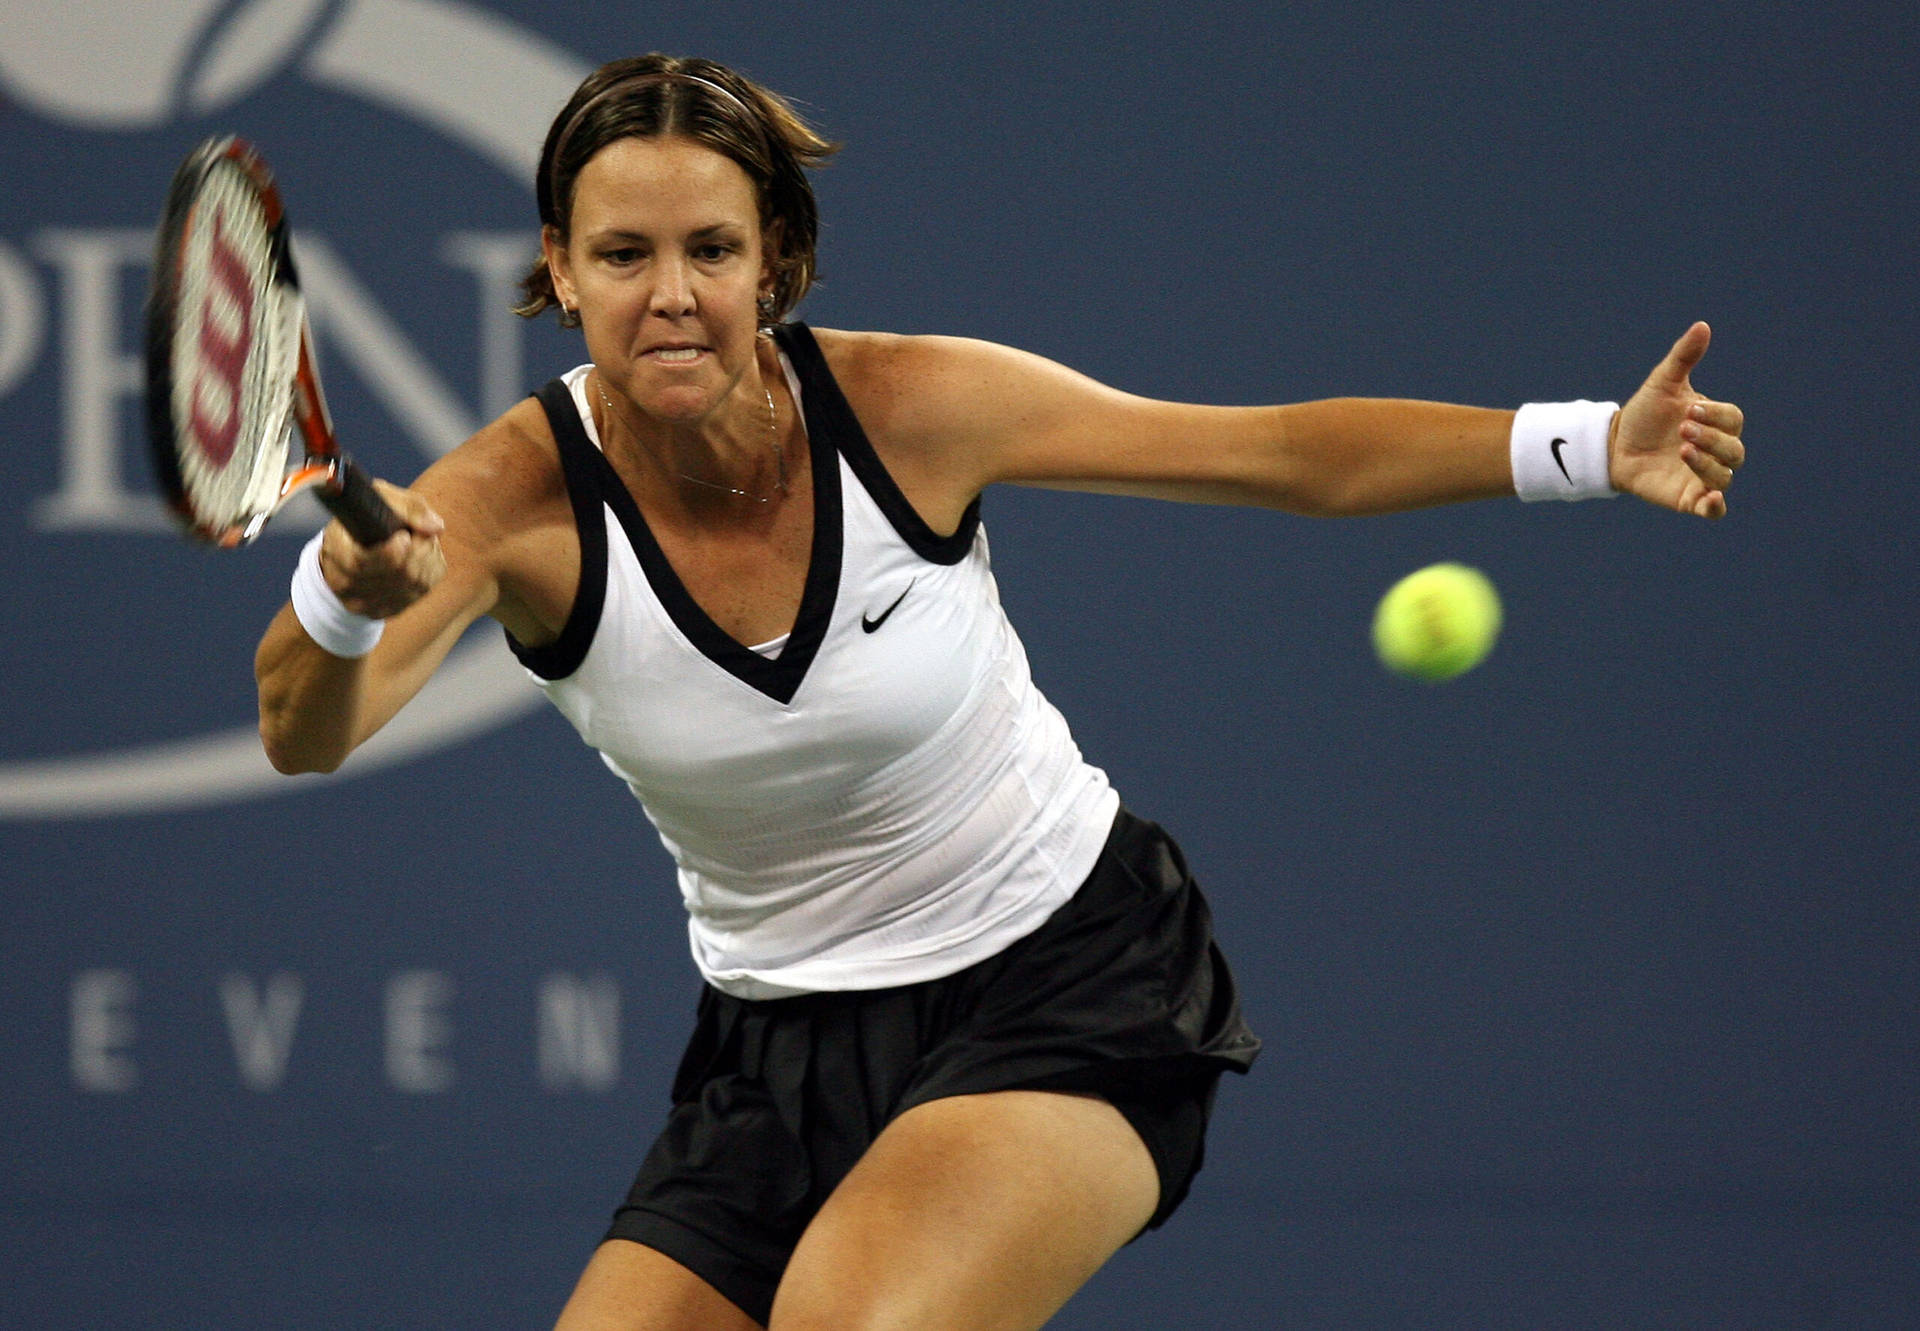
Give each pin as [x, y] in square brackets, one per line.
[509, 521]
[922, 401]
[877, 357]
[902, 386]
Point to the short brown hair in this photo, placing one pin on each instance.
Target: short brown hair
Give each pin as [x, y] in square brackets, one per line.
[653, 95]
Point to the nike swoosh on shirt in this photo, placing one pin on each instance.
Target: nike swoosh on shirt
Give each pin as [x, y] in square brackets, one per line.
[872, 624]
[1559, 461]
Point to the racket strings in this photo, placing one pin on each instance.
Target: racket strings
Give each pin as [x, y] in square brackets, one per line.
[235, 352]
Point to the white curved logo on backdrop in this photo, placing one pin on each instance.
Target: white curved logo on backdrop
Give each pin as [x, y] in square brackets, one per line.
[468, 75]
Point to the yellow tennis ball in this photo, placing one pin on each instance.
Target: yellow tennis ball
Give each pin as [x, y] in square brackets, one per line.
[1437, 622]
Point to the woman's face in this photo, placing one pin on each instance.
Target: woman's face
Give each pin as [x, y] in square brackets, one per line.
[665, 264]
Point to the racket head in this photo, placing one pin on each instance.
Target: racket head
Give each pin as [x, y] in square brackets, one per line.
[225, 337]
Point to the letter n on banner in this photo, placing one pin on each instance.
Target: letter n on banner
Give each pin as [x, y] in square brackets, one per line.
[579, 1032]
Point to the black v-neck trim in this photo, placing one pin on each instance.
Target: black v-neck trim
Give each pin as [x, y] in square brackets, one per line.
[833, 431]
[778, 677]
[562, 656]
[592, 482]
[829, 413]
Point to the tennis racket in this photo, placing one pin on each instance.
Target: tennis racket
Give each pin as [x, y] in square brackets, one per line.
[229, 360]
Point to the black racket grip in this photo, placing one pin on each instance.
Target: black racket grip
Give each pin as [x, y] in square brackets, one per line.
[352, 499]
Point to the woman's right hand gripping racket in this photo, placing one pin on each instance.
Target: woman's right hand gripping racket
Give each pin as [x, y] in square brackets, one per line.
[230, 370]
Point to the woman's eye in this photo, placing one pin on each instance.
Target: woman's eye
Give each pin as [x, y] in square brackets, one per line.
[620, 256]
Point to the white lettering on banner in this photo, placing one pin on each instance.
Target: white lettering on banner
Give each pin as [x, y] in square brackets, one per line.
[99, 375]
[475, 81]
[262, 1026]
[100, 1002]
[497, 260]
[346, 315]
[23, 318]
[575, 1032]
[578, 1026]
[417, 1028]
[102, 376]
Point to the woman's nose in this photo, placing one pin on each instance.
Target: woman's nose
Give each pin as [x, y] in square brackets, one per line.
[672, 288]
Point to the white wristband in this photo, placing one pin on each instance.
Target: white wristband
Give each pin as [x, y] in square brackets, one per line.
[1560, 450]
[320, 612]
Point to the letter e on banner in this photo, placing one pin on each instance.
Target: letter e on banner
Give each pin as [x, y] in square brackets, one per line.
[417, 1030]
[102, 1008]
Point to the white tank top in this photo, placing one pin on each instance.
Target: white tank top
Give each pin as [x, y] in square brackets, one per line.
[882, 798]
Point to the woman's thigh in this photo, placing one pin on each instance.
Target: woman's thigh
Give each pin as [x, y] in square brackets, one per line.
[630, 1287]
[984, 1212]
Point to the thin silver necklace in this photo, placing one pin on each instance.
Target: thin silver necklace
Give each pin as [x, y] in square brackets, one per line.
[773, 438]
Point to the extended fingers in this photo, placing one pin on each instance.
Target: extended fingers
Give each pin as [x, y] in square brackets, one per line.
[1709, 435]
[1711, 441]
[1712, 448]
[1720, 415]
[1709, 466]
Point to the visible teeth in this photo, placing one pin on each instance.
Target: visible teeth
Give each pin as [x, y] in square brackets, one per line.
[677, 353]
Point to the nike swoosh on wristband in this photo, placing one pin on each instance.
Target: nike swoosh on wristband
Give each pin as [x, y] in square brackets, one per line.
[1559, 461]
[871, 624]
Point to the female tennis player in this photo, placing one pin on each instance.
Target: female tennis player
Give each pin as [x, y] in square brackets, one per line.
[962, 1015]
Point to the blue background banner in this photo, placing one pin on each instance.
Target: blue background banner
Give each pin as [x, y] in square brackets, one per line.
[1588, 981]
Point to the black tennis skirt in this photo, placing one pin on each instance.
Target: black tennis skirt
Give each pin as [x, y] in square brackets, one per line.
[1122, 993]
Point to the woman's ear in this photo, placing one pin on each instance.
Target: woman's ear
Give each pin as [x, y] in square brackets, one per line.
[772, 252]
[559, 268]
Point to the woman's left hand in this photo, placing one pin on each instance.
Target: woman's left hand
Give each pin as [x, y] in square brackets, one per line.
[1670, 445]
